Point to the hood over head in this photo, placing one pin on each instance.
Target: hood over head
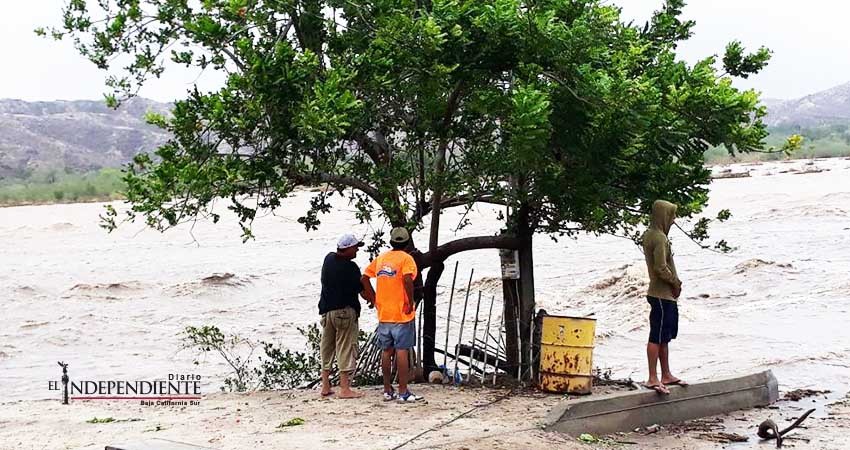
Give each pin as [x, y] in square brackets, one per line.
[663, 214]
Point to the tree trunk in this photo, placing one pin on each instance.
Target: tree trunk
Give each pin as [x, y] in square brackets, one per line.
[525, 234]
[526, 305]
[509, 293]
[435, 260]
[429, 318]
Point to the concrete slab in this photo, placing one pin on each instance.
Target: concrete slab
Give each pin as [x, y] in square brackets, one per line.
[626, 411]
[156, 444]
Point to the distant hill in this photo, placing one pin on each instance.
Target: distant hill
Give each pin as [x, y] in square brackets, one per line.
[81, 136]
[74, 135]
[829, 107]
[823, 119]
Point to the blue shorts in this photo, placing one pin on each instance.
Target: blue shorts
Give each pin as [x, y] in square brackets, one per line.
[401, 336]
[663, 320]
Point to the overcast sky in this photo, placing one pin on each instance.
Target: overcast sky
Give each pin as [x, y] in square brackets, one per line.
[810, 40]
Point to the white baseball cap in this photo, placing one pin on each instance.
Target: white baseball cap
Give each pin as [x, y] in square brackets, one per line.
[348, 241]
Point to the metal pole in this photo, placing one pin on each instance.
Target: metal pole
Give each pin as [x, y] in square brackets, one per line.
[487, 339]
[531, 351]
[474, 334]
[499, 346]
[462, 320]
[518, 331]
[449, 320]
[493, 338]
[419, 339]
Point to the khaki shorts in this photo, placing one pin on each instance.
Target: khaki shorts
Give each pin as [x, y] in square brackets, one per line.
[339, 338]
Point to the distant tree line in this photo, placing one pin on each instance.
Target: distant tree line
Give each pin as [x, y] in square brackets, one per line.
[52, 185]
[825, 141]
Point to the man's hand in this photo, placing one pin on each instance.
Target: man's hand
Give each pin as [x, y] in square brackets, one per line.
[408, 307]
[677, 291]
[369, 297]
[367, 293]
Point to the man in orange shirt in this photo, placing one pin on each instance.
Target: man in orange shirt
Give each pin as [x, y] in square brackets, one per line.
[394, 272]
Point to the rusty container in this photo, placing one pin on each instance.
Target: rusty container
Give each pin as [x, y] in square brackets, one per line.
[566, 354]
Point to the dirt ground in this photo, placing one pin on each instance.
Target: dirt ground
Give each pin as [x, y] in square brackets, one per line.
[450, 418]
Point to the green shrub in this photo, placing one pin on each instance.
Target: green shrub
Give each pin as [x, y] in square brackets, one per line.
[230, 348]
[277, 368]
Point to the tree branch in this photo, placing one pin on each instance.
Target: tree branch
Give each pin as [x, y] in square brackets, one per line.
[394, 213]
[355, 183]
[556, 79]
[471, 243]
[459, 201]
[437, 198]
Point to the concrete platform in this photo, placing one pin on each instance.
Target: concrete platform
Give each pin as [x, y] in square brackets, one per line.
[626, 411]
[156, 444]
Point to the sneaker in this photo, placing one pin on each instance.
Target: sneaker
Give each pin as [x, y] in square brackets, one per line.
[409, 397]
[389, 396]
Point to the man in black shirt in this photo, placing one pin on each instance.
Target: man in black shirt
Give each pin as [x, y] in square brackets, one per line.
[340, 310]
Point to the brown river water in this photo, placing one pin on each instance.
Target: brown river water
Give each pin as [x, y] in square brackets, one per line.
[113, 306]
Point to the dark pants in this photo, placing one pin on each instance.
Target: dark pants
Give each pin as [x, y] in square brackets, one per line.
[663, 320]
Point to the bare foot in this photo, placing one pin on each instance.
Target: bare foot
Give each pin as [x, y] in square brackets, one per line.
[657, 387]
[328, 393]
[350, 394]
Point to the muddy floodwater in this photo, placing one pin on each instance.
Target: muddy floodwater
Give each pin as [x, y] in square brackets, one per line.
[113, 306]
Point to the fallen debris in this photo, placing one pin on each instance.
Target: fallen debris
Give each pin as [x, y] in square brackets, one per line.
[768, 429]
[810, 170]
[651, 430]
[730, 174]
[799, 394]
[112, 420]
[723, 438]
[706, 425]
[842, 402]
[603, 378]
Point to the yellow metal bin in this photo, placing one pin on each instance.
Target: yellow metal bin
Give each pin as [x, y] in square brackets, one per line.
[566, 354]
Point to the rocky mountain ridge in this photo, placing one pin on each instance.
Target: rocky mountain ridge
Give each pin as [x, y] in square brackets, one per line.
[76, 135]
[86, 135]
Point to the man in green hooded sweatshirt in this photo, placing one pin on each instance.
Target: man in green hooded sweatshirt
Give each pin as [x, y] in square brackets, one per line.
[664, 289]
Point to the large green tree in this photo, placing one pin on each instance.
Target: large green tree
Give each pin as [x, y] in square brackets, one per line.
[570, 118]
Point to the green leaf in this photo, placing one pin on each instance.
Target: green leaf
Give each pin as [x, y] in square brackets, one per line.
[104, 420]
[292, 422]
[588, 438]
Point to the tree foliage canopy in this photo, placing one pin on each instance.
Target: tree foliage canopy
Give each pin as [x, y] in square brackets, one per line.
[556, 108]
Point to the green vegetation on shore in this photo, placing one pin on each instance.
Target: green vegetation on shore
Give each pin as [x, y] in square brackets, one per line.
[828, 141]
[56, 186]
